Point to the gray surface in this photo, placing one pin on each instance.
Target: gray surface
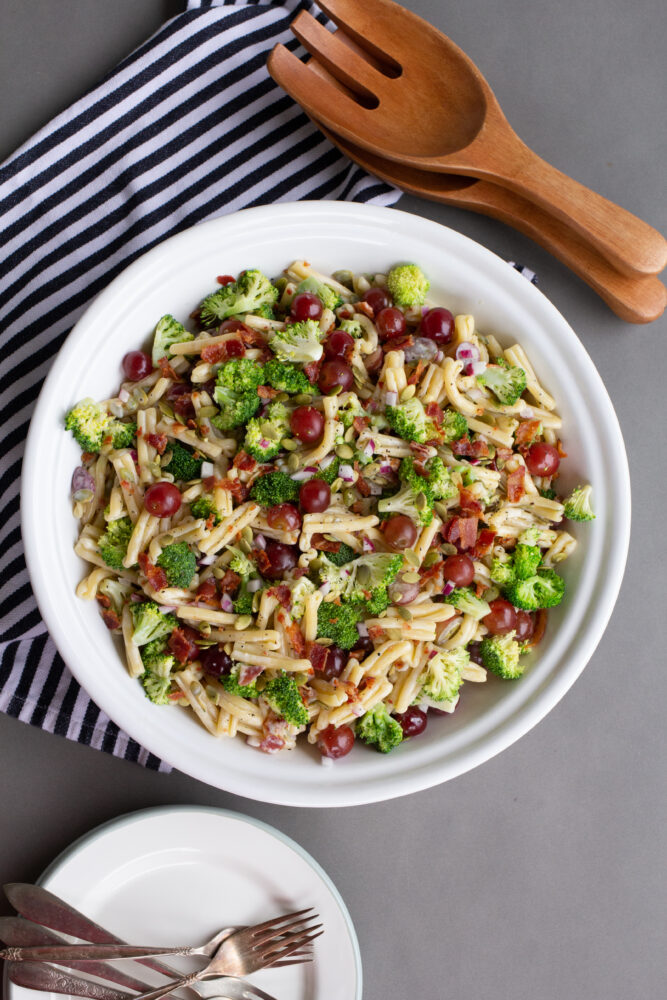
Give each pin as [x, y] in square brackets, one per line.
[540, 874]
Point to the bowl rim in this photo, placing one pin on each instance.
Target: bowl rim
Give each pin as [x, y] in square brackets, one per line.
[505, 730]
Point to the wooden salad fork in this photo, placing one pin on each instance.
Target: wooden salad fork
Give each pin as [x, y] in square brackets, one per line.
[414, 97]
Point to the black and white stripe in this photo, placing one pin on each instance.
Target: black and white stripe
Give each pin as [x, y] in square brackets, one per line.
[188, 127]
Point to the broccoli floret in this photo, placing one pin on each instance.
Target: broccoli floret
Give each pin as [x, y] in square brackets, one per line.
[265, 311]
[362, 577]
[351, 326]
[300, 588]
[526, 559]
[374, 605]
[113, 543]
[549, 494]
[156, 657]
[418, 506]
[578, 504]
[338, 622]
[298, 342]
[242, 375]
[410, 422]
[150, 622]
[443, 675]
[179, 564]
[118, 592]
[330, 473]
[408, 285]
[350, 409]
[502, 572]
[454, 426]
[247, 294]
[167, 332]
[204, 507]
[284, 377]
[157, 688]
[230, 682]
[274, 488]
[440, 480]
[92, 427]
[544, 590]
[378, 729]
[283, 696]
[184, 463]
[242, 603]
[500, 654]
[506, 384]
[236, 408]
[329, 298]
[465, 600]
[240, 563]
[344, 555]
[264, 434]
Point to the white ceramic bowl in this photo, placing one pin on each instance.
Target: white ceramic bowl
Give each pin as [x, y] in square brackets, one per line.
[465, 277]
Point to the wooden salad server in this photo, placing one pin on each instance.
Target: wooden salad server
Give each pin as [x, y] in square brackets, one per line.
[414, 97]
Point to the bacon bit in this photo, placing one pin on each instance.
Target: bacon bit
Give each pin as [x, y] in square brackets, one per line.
[416, 375]
[225, 279]
[237, 489]
[375, 632]
[154, 574]
[365, 308]
[110, 619]
[503, 455]
[295, 638]
[244, 461]
[157, 441]
[469, 503]
[516, 485]
[87, 456]
[316, 654]
[207, 593]
[214, 353]
[252, 338]
[272, 743]
[182, 644]
[361, 483]
[507, 542]
[462, 532]
[262, 561]
[540, 627]
[484, 543]
[167, 371]
[103, 600]
[210, 482]
[398, 343]
[229, 582]
[323, 544]
[435, 413]
[248, 672]
[526, 432]
[282, 594]
[559, 448]
[312, 370]
[361, 423]
[474, 449]
[266, 392]
[430, 572]
[479, 589]
[421, 453]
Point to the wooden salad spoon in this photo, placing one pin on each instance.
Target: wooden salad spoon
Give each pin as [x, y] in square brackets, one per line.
[414, 97]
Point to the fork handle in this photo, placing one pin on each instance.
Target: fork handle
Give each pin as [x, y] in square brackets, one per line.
[175, 984]
[87, 952]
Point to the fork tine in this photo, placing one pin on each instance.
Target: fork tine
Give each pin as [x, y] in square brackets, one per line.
[317, 96]
[291, 961]
[344, 63]
[272, 954]
[294, 926]
[274, 923]
[372, 19]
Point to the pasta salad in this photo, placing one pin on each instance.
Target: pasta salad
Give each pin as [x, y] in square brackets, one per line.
[322, 506]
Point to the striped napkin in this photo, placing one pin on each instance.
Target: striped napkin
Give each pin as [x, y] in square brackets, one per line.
[190, 126]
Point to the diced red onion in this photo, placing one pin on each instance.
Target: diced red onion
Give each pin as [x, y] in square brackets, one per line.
[82, 480]
[325, 588]
[473, 461]
[168, 609]
[467, 351]
[432, 653]
[263, 443]
[123, 395]
[439, 357]
[259, 540]
[254, 585]
[448, 588]
[207, 469]
[310, 468]
[207, 560]
[478, 367]
[301, 477]
[346, 473]
[357, 710]
[362, 629]
[367, 545]
[135, 457]
[375, 488]
[526, 412]
[326, 761]
[425, 309]
[368, 450]
[391, 398]
[467, 369]
[386, 469]
[226, 603]
[326, 461]
[136, 598]
[421, 349]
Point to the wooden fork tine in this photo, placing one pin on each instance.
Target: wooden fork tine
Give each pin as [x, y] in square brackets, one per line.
[338, 58]
[317, 96]
[363, 21]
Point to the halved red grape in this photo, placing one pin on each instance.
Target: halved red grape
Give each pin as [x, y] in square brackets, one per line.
[373, 362]
[338, 344]
[334, 374]
[281, 558]
[315, 496]
[334, 663]
[542, 459]
[137, 365]
[400, 532]
[215, 661]
[525, 625]
[283, 517]
[307, 424]
[334, 742]
[377, 298]
[162, 499]
[460, 570]
[501, 619]
[437, 324]
[305, 306]
[412, 721]
[390, 323]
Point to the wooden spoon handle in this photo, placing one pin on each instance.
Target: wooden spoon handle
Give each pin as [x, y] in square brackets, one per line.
[629, 243]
